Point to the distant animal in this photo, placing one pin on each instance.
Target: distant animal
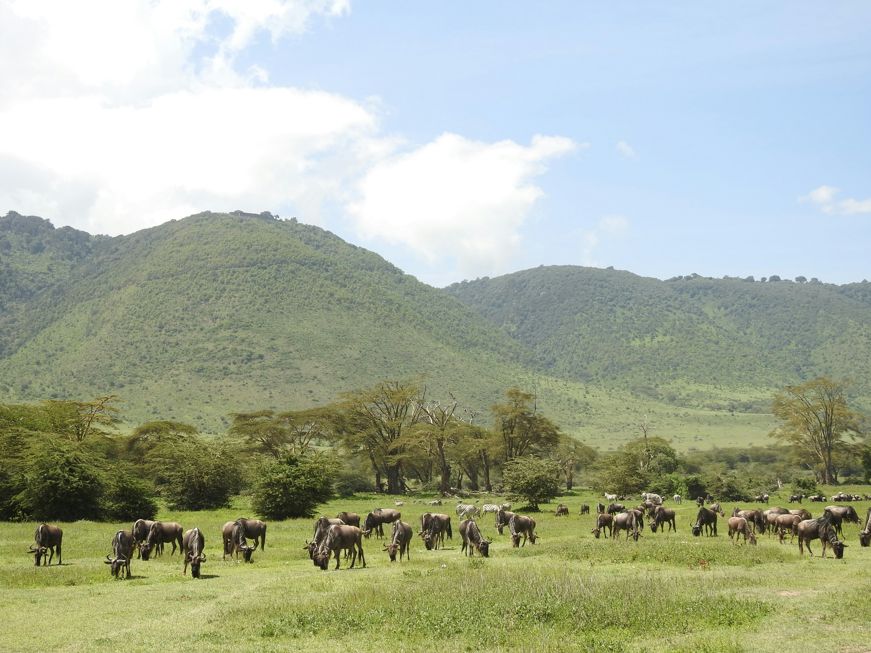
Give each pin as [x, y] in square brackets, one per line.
[193, 551]
[700, 501]
[47, 539]
[472, 538]
[434, 502]
[817, 497]
[502, 519]
[614, 508]
[740, 526]
[562, 510]
[761, 498]
[610, 497]
[122, 552]
[140, 533]
[349, 518]
[256, 530]
[600, 508]
[489, 507]
[400, 539]
[707, 520]
[626, 521]
[677, 498]
[340, 538]
[603, 521]
[652, 497]
[159, 534]
[376, 519]
[795, 498]
[467, 510]
[840, 514]
[822, 529]
[522, 526]
[663, 516]
[398, 503]
[585, 509]
[865, 535]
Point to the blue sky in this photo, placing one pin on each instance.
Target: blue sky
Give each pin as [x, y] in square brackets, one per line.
[458, 139]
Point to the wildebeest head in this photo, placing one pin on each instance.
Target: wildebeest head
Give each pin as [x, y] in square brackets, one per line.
[515, 540]
[697, 530]
[391, 551]
[428, 540]
[653, 526]
[196, 561]
[321, 558]
[751, 535]
[145, 550]
[596, 532]
[865, 538]
[117, 565]
[38, 553]
[484, 548]
[838, 548]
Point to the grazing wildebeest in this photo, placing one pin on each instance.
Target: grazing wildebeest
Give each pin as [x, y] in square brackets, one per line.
[472, 538]
[626, 521]
[787, 523]
[603, 521]
[48, 539]
[795, 498]
[600, 508]
[377, 518]
[399, 541]
[340, 538]
[349, 518]
[865, 535]
[256, 530]
[677, 499]
[122, 552]
[663, 516]
[193, 551]
[614, 508]
[802, 512]
[822, 528]
[755, 518]
[239, 543]
[760, 498]
[322, 527]
[585, 509]
[159, 534]
[521, 525]
[140, 533]
[817, 497]
[841, 514]
[717, 509]
[502, 519]
[433, 528]
[706, 519]
[740, 526]
[562, 510]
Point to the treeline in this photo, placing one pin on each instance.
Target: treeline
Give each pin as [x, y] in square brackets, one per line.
[65, 460]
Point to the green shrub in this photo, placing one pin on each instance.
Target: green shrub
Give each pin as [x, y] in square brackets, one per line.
[199, 476]
[531, 479]
[293, 486]
[61, 484]
[127, 497]
[804, 485]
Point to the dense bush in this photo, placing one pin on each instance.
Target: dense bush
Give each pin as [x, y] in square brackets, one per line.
[531, 479]
[199, 476]
[61, 484]
[127, 497]
[293, 486]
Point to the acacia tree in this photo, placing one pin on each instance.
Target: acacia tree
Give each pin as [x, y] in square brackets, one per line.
[522, 429]
[816, 419]
[438, 430]
[77, 420]
[571, 455]
[378, 421]
[281, 434]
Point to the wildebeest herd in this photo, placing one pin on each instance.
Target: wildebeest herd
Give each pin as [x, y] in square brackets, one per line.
[344, 533]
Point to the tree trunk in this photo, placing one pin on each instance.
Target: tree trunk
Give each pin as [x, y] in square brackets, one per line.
[570, 479]
[485, 464]
[394, 479]
[445, 468]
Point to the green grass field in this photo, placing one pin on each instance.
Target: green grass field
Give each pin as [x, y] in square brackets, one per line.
[569, 592]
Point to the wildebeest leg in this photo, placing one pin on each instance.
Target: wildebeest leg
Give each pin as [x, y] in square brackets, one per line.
[337, 559]
[360, 552]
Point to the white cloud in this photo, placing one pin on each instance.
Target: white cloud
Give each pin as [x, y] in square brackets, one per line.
[456, 195]
[824, 198]
[610, 227]
[627, 150]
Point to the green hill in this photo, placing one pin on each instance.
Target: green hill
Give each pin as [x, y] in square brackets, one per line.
[690, 341]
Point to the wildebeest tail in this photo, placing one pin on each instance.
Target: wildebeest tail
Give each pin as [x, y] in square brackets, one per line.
[450, 533]
[263, 538]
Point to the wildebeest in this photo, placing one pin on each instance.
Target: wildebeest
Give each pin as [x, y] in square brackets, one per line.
[817, 497]
[626, 521]
[717, 509]
[376, 519]
[193, 551]
[822, 528]
[795, 498]
[787, 523]
[802, 512]
[399, 541]
[706, 519]
[339, 538]
[433, 528]
[585, 509]
[663, 516]
[521, 525]
[472, 538]
[600, 508]
[755, 518]
[140, 533]
[761, 498]
[322, 527]
[349, 518]
[502, 519]
[239, 543]
[256, 530]
[603, 521]
[865, 535]
[740, 526]
[841, 514]
[562, 510]
[614, 508]
[122, 552]
[159, 534]
[48, 539]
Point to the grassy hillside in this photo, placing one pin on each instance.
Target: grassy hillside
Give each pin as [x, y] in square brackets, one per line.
[568, 592]
[199, 317]
[719, 344]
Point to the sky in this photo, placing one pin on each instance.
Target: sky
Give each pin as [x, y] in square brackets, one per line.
[457, 139]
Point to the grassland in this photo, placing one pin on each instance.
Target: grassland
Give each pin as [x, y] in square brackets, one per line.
[569, 592]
